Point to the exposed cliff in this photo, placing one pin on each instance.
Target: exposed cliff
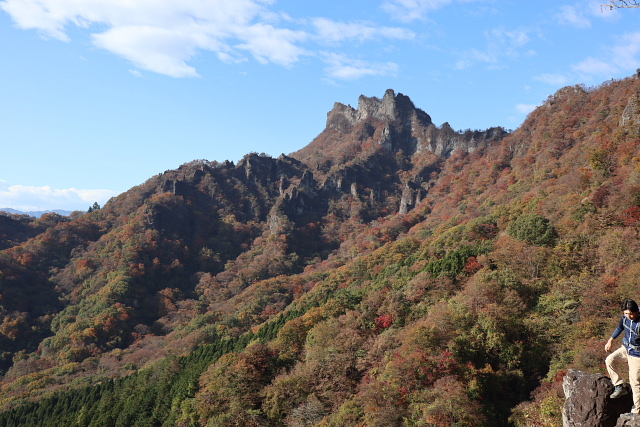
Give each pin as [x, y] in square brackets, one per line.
[386, 149]
[390, 124]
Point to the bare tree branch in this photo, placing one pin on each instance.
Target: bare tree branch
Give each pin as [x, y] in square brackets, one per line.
[621, 4]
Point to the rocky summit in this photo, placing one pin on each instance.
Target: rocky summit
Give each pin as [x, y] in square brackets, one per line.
[392, 272]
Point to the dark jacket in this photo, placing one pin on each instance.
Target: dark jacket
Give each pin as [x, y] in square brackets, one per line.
[631, 339]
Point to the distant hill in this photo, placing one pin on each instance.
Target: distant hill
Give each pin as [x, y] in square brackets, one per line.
[390, 273]
[36, 214]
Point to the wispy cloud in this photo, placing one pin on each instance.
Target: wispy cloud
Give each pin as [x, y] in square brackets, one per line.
[160, 50]
[269, 44]
[623, 56]
[162, 36]
[575, 16]
[32, 198]
[411, 10]
[501, 43]
[552, 79]
[337, 32]
[525, 108]
[583, 13]
[593, 66]
[342, 67]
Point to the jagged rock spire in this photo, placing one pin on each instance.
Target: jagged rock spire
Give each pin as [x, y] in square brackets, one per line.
[392, 107]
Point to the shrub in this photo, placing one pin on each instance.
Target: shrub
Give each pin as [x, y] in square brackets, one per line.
[534, 229]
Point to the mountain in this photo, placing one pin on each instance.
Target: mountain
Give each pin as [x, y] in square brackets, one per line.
[391, 272]
[36, 214]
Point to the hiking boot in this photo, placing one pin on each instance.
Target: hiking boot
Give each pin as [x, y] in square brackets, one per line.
[620, 390]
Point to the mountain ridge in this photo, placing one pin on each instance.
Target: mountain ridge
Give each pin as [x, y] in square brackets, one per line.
[392, 123]
[36, 214]
[387, 257]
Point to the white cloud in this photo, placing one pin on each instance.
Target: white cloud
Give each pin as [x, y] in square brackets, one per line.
[595, 66]
[269, 44]
[574, 16]
[625, 53]
[335, 32]
[231, 59]
[552, 79]
[32, 198]
[525, 108]
[411, 10]
[150, 48]
[501, 43]
[342, 67]
[620, 57]
[581, 14]
[162, 35]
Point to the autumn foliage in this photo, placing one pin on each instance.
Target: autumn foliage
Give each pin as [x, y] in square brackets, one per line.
[355, 283]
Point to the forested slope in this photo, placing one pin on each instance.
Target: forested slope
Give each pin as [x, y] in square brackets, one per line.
[392, 272]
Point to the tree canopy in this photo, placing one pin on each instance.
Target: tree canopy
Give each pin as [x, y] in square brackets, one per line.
[383, 288]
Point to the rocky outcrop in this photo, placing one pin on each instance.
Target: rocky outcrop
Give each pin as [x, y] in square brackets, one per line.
[360, 155]
[628, 420]
[341, 118]
[391, 107]
[588, 403]
[444, 141]
[631, 113]
[391, 124]
[362, 151]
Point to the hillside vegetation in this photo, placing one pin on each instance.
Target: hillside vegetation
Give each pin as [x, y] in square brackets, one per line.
[390, 273]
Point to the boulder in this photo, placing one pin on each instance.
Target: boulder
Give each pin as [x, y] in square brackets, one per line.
[629, 420]
[588, 403]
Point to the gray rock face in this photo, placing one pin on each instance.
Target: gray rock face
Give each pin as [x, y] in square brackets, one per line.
[392, 107]
[628, 420]
[362, 149]
[408, 128]
[631, 113]
[342, 117]
[588, 403]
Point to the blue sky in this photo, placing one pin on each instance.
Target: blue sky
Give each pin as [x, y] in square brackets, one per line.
[97, 96]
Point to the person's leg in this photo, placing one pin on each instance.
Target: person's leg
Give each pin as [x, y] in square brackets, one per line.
[618, 355]
[634, 380]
